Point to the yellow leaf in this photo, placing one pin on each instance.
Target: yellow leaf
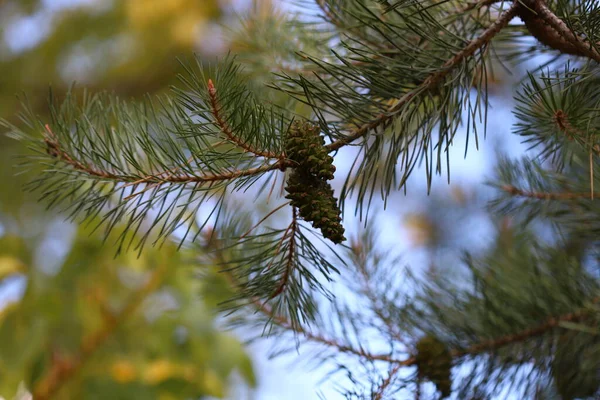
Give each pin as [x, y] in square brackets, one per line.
[123, 371]
[186, 29]
[420, 228]
[159, 371]
[213, 385]
[10, 266]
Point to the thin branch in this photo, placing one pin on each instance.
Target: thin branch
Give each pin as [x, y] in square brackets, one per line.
[289, 266]
[432, 80]
[526, 334]
[55, 150]
[264, 219]
[371, 294]
[514, 191]
[226, 129]
[378, 395]
[330, 16]
[65, 368]
[314, 337]
[284, 323]
[583, 47]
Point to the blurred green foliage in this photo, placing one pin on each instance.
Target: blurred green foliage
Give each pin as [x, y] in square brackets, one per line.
[90, 325]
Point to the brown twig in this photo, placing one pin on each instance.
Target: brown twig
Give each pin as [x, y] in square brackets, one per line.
[370, 293]
[55, 150]
[314, 337]
[289, 266]
[65, 368]
[330, 16]
[580, 45]
[226, 129]
[264, 219]
[514, 191]
[284, 323]
[551, 323]
[432, 80]
[378, 395]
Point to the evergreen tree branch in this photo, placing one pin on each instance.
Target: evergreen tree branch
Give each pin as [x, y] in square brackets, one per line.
[292, 228]
[580, 45]
[522, 336]
[514, 191]
[378, 395]
[329, 342]
[287, 325]
[55, 150]
[432, 80]
[224, 126]
[329, 15]
[374, 297]
[551, 323]
[65, 368]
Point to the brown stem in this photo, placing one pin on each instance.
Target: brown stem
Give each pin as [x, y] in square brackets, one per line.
[432, 80]
[289, 267]
[55, 150]
[576, 45]
[226, 129]
[310, 336]
[378, 395]
[330, 16]
[314, 337]
[369, 292]
[514, 191]
[526, 334]
[65, 368]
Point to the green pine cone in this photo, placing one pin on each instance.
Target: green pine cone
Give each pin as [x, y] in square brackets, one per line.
[313, 197]
[434, 362]
[305, 146]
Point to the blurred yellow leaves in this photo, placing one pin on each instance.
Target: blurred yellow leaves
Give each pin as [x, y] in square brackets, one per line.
[10, 266]
[159, 371]
[421, 229]
[179, 20]
[123, 371]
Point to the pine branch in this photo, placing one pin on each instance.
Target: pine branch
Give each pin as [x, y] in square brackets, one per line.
[378, 395]
[289, 267]
[329, 342]
[580, 45]
[432, 80]
[519, 337]
[551, 323]
[330, 16]
[55, 150]
[63, 369]
[514, 191]
[284, 323]
[225, 128]
[360, 253]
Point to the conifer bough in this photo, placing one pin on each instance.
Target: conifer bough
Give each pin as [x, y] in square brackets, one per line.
[397, 87]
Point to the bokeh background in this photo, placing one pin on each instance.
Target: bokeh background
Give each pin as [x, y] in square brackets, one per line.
[78, 323]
